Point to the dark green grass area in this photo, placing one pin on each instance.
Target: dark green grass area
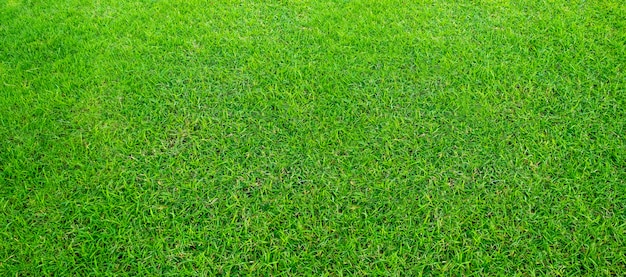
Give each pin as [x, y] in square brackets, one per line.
[192, 137]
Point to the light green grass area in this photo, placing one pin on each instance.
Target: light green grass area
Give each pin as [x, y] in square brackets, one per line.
[324, 138]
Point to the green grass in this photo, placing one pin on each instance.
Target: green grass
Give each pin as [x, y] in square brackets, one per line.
[192, 137]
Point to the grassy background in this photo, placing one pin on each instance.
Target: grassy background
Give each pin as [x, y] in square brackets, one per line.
[312, 137]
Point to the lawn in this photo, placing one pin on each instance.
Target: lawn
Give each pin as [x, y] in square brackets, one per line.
[323, 138]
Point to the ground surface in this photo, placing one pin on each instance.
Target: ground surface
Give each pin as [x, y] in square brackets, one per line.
[312, 137]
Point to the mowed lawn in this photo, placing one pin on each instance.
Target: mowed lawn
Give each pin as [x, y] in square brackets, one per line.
[313, 137]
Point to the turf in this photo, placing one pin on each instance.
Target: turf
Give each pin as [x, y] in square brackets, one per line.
[325, 138]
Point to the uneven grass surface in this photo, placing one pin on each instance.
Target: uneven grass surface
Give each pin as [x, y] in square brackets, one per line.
[192, 137]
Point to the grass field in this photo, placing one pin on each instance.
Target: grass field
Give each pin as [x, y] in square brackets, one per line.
[295, 137]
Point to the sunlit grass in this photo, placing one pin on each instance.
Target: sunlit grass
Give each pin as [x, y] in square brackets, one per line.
[312, 138]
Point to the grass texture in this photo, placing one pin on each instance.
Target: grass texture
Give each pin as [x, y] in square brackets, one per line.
[322, 138]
